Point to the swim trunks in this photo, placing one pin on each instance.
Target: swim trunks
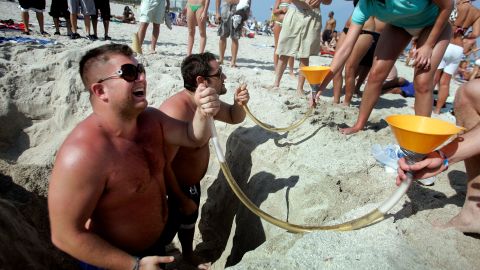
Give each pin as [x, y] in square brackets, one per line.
[451, 59]
[177, 220]
[406, 14]
[300, 35]
[104, 7]
[194, 7]
[157, 249]
[59, 8]
[33, 5]
[87, 7]
[327, 35]
[407, 89]
[367, 59]
[229, 28]
[152, 11]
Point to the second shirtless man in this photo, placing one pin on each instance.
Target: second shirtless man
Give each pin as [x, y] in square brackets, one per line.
[189, 165]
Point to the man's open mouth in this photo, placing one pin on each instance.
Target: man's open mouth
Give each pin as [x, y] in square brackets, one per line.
[139, 92]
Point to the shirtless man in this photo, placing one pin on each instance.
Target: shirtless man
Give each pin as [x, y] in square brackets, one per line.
[466, 147]
[464, 16]
[188, 164]
[329, 28]
[227, 27]
[107, 199]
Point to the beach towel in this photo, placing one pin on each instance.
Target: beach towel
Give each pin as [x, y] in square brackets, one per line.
[10, 24]
[27, 40]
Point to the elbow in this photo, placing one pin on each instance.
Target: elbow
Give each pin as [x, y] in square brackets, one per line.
[58, 241]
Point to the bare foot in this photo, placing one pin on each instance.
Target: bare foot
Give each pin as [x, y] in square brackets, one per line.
[271, 87]
[152, 51]
[232, 65]
[197, 261]
[349, 131]
[292, 75]
[465, 222]
[220, 62]
[300, 93]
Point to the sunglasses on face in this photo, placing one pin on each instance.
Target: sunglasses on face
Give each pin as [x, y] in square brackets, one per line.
[128, 72]
[217, 75]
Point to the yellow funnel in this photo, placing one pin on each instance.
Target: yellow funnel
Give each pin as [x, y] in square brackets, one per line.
[421, 134]
[315, 74]
[136, 46]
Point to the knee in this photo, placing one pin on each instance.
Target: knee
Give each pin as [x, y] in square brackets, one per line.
[445, 80]
[423, 87]
[377, 76]
[465, 95]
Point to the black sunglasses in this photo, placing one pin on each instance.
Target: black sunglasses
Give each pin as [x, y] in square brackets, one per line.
[218, 74]
[128, 72]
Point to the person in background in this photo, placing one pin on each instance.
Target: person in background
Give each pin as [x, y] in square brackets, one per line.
[152, 11]
[102, 7]
[58, 9]
[197, 15]
[37, 6]
[87, 7]
[279, 10]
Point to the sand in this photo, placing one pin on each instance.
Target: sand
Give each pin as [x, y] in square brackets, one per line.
[313, 175]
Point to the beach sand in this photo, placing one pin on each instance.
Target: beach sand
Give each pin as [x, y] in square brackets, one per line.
[312, 175]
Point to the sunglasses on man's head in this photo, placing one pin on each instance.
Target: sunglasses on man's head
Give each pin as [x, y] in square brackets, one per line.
[128, 72]
[218, 74]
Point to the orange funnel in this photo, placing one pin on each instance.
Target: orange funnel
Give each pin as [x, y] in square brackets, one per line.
[315, 74]
[421, 134]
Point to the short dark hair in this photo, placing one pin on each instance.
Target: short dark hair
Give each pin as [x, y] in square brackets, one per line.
[195, 65]
[102, 54]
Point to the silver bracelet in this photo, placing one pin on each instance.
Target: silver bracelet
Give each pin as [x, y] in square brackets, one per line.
[137, 264]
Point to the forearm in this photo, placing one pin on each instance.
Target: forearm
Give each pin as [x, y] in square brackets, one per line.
[463, 147]
[438, 26]
[92, 249]
[199, 128]
[237, 113]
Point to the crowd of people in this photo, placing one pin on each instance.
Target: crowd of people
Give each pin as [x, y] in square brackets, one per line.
[111, 220]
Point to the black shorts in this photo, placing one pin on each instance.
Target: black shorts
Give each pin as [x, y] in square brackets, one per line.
[34, 4]
[327, 35]
[367, 59]
[175, 218]
[59, 8]
[104, 7]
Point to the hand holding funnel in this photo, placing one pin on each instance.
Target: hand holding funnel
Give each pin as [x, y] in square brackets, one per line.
[420, 135]
[315, 76]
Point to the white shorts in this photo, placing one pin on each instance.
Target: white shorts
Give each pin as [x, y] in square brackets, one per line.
[152, 11]
[452, 57]
[477, 62]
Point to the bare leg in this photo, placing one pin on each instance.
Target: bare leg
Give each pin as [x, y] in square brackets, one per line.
[392, 42]
[234, 49]
[352, 66]
[106, 24]
[202, 29]
[73, 21]
[141, 32]
[423, 79]
[155, 33]
[338, 78]
[443, 91]
[291, 63]
[467, 112]
[301, 79]
[222, 47]
[276, 33]
[86, 20]
[56, 22]
[361, 76]
[40, 21]
[26, 19]
[281, 65]
[94, 24]
[474, 73]
[191, 24]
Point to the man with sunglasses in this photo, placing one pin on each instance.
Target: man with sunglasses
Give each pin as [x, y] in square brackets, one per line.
[107, 196]
[188, 165]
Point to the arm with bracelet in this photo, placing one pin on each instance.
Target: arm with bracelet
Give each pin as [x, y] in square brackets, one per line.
[461, 148]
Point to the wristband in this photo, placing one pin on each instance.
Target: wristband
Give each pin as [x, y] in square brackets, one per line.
[444, 157]
[137, 264]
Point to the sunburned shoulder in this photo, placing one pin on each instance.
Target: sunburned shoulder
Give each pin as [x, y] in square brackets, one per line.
[179, 106]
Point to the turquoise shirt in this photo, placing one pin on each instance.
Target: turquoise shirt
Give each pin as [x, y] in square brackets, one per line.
[410, 14]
